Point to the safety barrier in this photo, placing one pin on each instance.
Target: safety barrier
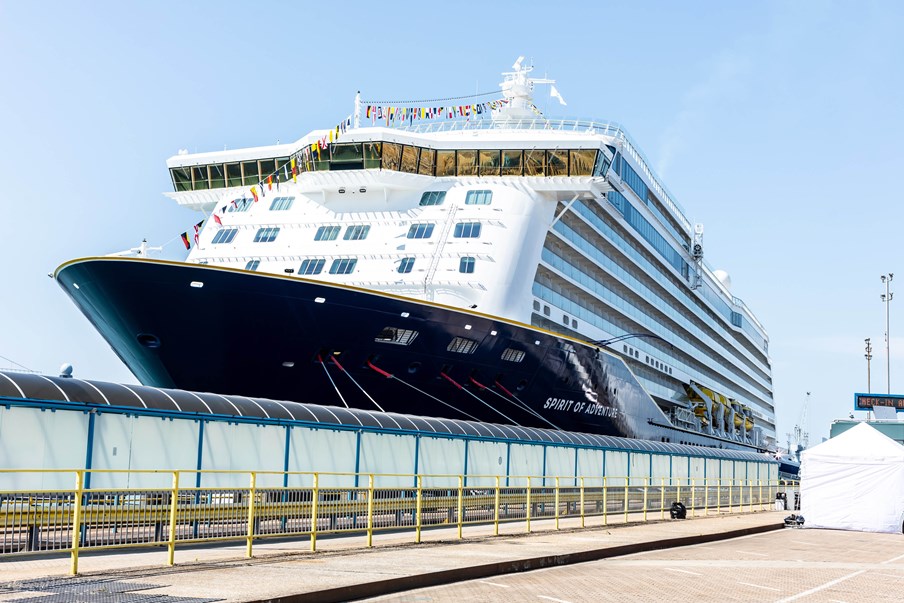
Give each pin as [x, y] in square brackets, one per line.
[96, 518]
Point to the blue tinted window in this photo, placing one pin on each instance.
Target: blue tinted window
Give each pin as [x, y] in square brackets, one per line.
[252, 264]
[466, 265]
[467, 230]
[405, 266]
[327, 233]
[266, 235]
[281, 203]
[239, 205]
[479, 198]
[433, 198]
[420, 231]
[356, 233]
[312, 266]
[224, 235]
[343, 266]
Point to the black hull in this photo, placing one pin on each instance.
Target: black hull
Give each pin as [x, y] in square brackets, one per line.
[238, 332]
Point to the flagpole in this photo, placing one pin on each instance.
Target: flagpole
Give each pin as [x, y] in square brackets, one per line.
[358, 110]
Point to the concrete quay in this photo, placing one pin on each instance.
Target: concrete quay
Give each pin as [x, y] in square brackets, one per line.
[487, 567]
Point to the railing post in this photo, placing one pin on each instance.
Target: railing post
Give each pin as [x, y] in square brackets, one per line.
[251, 495]
[627, 481]
[646, 495]
[706, 482]
[174, 505]
[605, 501]
[418, 507]
[77, 520]
[678, 491]
[719, 495]
[557, 502]
[496, 510]
[527, 505]
[461, 505]
[750, 494]
[662, 498]
[693, 500]
[582, 502]
[730, 492]
[760, 495]
[315, 500]
[370, 510]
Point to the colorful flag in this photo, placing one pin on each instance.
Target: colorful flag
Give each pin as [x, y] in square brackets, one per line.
[294, 171]
[185, 242]
[254, 193]
[270, 182]
[198, 231]
[216, 219]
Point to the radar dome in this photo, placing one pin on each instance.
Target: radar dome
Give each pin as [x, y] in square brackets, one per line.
[723, 278]
[65, 370]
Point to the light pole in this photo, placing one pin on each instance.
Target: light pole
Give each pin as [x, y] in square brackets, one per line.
[886, 299]
[869, 356]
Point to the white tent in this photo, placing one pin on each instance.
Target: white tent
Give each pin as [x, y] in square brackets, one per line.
[854, 481]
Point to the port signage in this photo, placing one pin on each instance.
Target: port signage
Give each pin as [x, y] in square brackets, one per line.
[870, 401]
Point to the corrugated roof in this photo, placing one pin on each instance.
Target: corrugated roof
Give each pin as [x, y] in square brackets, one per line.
[30, 386]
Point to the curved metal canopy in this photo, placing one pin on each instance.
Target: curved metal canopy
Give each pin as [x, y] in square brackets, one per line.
[41, 388]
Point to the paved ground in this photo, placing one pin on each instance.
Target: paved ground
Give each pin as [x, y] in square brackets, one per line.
[772, 566]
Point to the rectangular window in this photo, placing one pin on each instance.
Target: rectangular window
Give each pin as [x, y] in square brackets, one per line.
[268, 166]
[282, 203]
[237, 205]
[343, 266]
[420, 231]
[396, 336]
[511, 163]
[466, 265]
[557, 163]
[512, 355]
[357, 232]
[327, 233]
[266, 235]
[392, 155]
[372, 152]
[461, 345]
[467, 230]
[217, 176]
[432, 198]
[445, 163]
[199, 178]
[409, 159]
[250, 173]
[252, 265]
[534, 163]
[467, 163]
[405, 266]
[181, 179]
[489, 163]
[582, 162]
[427, 162]
[312, 266]
[224, 235]
[233, 174]
[479, 198]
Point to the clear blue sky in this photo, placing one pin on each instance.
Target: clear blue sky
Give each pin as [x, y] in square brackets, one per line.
[778, 125]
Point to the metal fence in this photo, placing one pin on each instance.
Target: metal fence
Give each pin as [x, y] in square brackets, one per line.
[39, 521]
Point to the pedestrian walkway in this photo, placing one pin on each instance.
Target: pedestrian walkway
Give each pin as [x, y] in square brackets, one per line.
[343, 569]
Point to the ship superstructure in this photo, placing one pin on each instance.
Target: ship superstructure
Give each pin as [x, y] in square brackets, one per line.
[500, 263]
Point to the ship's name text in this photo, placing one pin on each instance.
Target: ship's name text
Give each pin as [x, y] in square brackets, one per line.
[587, 408]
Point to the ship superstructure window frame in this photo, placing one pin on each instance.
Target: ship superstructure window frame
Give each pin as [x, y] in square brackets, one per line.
[513, 355]
[462, 345]
[224, 236]
[311, 266]
[327, 233]
[466, 265]
[396, 336]
[420, 230]
[406, 265]
[356, 232]
[242, 204]
[267, 234]
[343, 265]
[282, 203]
[432, 198]
[482, 197]
[253, 265]
[467, 230]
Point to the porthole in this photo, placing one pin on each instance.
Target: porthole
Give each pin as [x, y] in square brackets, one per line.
[414, 367]
[148, 340]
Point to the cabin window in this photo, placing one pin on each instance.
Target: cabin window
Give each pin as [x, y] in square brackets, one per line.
[461, 345]
[405, 266]
[357, 232]
[327, 233]
[479, 198]
[420, 231]
[224, 235]
[432, 198]
[266, 235]
[512, 355]
[467, 230]
[252, 265]
[281, 203]
[396, 336]
[243, 204]
[466, 265]
[343, 266]
[311, 266]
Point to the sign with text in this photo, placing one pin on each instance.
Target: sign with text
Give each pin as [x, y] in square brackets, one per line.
[870, 401]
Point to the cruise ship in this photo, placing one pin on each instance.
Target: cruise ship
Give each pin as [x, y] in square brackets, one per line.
[469, 261]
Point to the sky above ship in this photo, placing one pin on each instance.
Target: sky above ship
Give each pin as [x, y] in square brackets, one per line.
[777, 125]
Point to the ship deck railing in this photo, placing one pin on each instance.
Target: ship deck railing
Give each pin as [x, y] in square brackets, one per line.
[292, 505]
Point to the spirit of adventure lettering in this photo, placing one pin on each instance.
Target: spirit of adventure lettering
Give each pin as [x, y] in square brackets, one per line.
[582, 407]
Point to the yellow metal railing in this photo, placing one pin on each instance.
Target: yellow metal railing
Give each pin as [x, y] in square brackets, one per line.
[97, 518]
